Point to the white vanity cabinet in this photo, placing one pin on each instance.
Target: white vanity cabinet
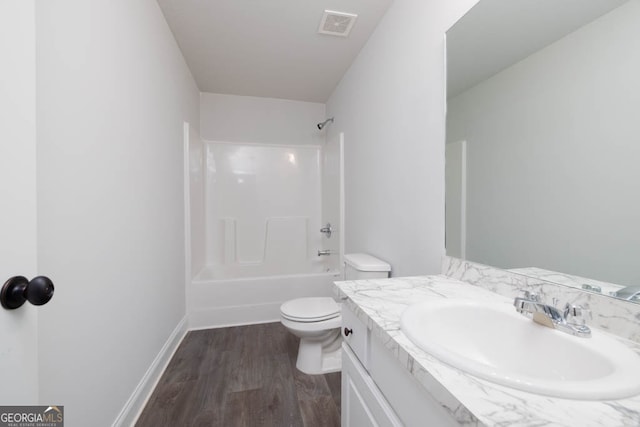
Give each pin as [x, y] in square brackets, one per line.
[376, 389]
[362, 403]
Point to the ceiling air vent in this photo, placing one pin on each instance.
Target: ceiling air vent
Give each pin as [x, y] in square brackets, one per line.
[337, 23]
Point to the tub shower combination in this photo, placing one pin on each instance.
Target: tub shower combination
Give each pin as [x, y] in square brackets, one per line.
[263, 233]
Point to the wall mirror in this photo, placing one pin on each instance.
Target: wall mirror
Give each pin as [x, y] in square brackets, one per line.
[543, 140]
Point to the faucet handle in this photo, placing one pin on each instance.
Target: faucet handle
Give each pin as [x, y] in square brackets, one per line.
[572, 310]
[532, 296]
[327, 230]
[577, 312]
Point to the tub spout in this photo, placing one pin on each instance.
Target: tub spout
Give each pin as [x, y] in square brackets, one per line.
[325, 252]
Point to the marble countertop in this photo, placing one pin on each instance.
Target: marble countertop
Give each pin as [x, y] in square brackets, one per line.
[471, 401]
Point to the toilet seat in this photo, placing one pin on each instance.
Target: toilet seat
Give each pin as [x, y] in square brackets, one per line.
[315, 309]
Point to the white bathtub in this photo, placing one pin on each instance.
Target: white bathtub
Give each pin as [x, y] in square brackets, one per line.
[213, 301]
[319, 265]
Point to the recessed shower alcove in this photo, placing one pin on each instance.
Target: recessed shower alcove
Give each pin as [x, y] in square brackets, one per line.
[256, 210]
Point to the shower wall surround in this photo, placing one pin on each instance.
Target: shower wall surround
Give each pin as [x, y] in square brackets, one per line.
[612, 315]
[263, 207]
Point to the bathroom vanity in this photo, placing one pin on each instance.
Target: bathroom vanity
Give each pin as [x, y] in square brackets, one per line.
[387, 380]
[376, 389]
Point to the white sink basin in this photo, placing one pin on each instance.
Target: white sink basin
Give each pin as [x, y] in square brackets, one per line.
[494, 342]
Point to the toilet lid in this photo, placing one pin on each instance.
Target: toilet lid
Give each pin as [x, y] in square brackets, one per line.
[310, 309]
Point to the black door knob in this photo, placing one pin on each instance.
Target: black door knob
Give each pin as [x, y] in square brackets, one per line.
[18, 289]
[39, 290]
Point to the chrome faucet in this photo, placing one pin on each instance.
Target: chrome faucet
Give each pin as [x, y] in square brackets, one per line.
[325, 252]
[550, 316]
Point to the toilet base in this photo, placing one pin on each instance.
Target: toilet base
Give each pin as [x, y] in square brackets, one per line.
[332, 362]
[320, 357]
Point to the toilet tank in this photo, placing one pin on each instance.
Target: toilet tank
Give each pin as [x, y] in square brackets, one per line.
[365, 266]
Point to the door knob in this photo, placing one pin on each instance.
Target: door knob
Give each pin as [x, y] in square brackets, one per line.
[18, 289]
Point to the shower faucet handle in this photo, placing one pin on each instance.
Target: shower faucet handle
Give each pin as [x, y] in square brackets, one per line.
[327, 230]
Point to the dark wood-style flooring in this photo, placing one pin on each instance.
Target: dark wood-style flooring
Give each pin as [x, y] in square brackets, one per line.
[241, 376]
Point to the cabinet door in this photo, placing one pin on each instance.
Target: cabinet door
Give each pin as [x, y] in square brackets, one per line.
[354, 408]
[362, 403]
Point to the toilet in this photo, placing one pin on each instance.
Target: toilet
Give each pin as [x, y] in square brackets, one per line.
[316, 320]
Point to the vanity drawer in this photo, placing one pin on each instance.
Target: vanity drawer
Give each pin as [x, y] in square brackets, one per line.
[356, 335]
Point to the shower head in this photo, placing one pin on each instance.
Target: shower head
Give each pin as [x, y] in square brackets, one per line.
[323, 124]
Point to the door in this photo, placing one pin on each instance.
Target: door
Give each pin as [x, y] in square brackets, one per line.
[18, 328]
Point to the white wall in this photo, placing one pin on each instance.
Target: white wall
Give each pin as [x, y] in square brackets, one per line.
[390, 104]
[553, 155]
[235, 118]
[18, 328]
[112, 93]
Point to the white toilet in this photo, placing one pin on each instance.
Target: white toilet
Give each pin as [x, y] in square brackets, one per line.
[316, 321]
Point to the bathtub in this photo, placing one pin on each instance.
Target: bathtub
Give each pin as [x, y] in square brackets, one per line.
[230, 296]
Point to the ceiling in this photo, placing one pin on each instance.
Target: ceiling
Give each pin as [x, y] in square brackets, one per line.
[495, 34]
[268, 48]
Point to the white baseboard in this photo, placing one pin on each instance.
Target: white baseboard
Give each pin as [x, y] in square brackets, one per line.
[136, 403]
[221, 317]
